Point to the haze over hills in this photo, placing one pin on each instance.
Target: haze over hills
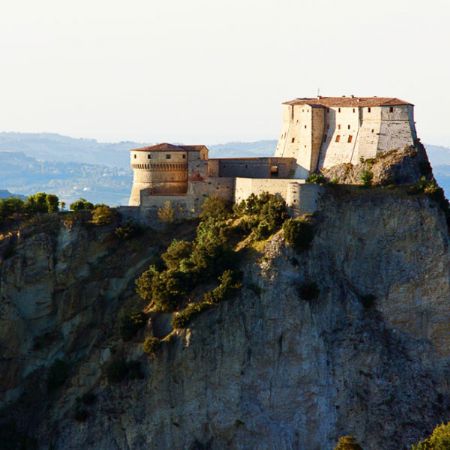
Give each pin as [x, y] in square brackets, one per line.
[73, 168]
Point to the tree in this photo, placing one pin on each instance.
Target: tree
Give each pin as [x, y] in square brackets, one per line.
[177, 250]
[348, 443]
[215, 207]
[102, 215]
[37, 203]
[151, 346]
[9, 207]
[366, 178]
[438, 440]
[81, 205]
[52, 203]
[166, 213]
[299, 233]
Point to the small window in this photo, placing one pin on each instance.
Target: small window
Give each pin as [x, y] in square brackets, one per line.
[369, 109]
[354, 110]
[168, 156]
[339, 109]
[149, 156]
[348, 127]
[339, 126]
[391, 109]
[350, 139]
[373, 131]
[338, 138]
[305, 126]
[184, 156]
[293, 140]
[134, 156]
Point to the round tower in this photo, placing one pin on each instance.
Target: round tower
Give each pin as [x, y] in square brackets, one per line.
[159, 170]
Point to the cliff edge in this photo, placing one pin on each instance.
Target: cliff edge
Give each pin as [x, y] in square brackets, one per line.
[366, 353]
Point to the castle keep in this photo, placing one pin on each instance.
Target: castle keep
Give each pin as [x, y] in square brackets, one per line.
[316, 133]
[324, 131]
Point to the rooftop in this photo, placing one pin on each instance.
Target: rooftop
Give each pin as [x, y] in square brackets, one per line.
[348, 101]
[165, 147]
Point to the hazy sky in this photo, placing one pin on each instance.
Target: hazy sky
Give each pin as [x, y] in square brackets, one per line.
[209, 71]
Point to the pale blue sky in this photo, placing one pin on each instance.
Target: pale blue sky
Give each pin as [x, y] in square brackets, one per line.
[208, 71]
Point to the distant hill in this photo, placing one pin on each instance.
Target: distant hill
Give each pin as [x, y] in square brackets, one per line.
[73, 168]
[7, 194]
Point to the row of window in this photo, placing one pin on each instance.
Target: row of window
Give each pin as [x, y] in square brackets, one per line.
[369, 109]
[168, 156]
[349, 139]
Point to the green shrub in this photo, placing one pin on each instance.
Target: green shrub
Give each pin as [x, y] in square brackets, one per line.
[317, 178]
[151, 345]
[166, 213]
[229, 282]
[176, 252]
[52, 203]
[144, 284]
[215, 208]
[57, 374]
[130, 322]
[127, 231]
[347, 443]
[438, 440]
[299, 233]
[366, 177]
[81, 205]
[308, 291]
[9, 207]
[183, 318]
[103, 215]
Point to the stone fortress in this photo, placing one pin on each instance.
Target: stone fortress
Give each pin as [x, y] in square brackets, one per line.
[316, 133]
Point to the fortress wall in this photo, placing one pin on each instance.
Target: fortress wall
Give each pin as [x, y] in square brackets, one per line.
[188, 205]
[246, 186]
[213, 167]
[214, 186]
[397, 128]
[197, 170]
[252, 167]
[342, 126]
[281, 149]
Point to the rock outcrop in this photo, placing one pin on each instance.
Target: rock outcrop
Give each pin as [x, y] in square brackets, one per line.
[396, 167]
[370, 356]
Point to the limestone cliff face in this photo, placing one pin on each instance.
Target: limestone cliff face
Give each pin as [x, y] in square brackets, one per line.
[266, 370]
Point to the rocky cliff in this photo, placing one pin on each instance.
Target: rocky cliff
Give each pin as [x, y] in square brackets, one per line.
[272, 368]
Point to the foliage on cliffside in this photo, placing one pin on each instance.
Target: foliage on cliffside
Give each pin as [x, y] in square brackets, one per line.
[183, 281]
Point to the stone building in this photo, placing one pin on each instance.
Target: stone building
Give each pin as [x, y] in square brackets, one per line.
[324, 131]
[317, 133]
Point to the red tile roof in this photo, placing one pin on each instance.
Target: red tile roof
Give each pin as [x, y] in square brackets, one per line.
[348, 101]
[165, 147]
